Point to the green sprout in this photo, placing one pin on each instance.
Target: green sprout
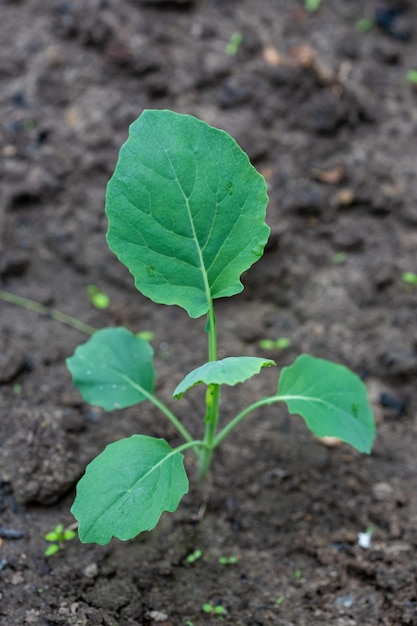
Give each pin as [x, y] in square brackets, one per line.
[297, 574]
[280, 600]
[147, 335]
[411, 76]
[29, 124]
[275, 344]
[228, 560]
[410, 278]
[364, 25]
[57, 538]
[98, 299]
[339, 258]
[217, 609]
[194, 556]
[234, 43]
[312, 5]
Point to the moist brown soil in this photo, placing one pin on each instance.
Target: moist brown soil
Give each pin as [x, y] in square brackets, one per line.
[326, 114]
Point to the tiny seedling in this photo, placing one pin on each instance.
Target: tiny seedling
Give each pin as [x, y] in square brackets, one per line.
[339, 258]
[409, 278]
[228, 560]
[217, 609]
[297, 574]
[186, 213]
[364, 25]
[412, 77]
[275, 344]
[98, 299]
[57, 538]
[312, 5]
[148, 335]
[194, 556]
[234, 43]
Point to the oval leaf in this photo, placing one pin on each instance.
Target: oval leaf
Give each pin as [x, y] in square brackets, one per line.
[331, 399]
[113, 369]
[229, 371]
[127, 487]
[186, 210]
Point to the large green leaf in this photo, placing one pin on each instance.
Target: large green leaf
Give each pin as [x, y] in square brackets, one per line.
[228, 371]
[186, 210]
[127, 487]
[113, 369]
[332, 400]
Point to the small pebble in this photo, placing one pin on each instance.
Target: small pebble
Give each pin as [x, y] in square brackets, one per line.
[345, 602]
[91, 571]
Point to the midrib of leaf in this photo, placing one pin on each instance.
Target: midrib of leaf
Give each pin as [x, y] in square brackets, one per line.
[303, 398]
[281, 398]
[197, 243]
[153, 468]
[323, 402]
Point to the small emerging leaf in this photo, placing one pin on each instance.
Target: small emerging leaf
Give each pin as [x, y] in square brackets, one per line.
[52, 549]
[127, 487]
[331, 399]
[228, 371]
[113, 369]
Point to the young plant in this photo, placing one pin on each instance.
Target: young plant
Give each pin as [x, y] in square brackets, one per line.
[234, 43]
[412, 77]
[409, 278]
[217, 609]
[57, 538]
[186, 213]
[98, 299]
[312, 5]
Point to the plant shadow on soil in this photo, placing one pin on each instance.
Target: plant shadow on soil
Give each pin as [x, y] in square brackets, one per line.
[325, 113]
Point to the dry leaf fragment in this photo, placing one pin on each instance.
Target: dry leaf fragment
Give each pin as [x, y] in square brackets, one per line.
[330, 177]
[329, 442]
[271, 56]
[346, 197]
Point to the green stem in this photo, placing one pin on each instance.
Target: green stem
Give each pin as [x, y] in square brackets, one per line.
[212, 399]
[172, 418]
[240, 416]
[162, 407]
[213, 392]
[212, 337]
[195, 443]
[211, 420]
[31, 305]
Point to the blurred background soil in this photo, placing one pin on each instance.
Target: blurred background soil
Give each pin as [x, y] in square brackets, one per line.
[322, 104]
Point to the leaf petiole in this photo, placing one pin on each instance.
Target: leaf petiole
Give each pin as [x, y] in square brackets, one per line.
[240, 416]
[162, 407]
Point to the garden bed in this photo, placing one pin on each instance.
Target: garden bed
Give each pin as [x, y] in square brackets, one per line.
[326, 114]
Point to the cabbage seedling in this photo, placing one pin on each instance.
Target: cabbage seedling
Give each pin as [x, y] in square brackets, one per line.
[186, 214]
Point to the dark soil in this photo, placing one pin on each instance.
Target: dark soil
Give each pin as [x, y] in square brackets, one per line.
[327, 115]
